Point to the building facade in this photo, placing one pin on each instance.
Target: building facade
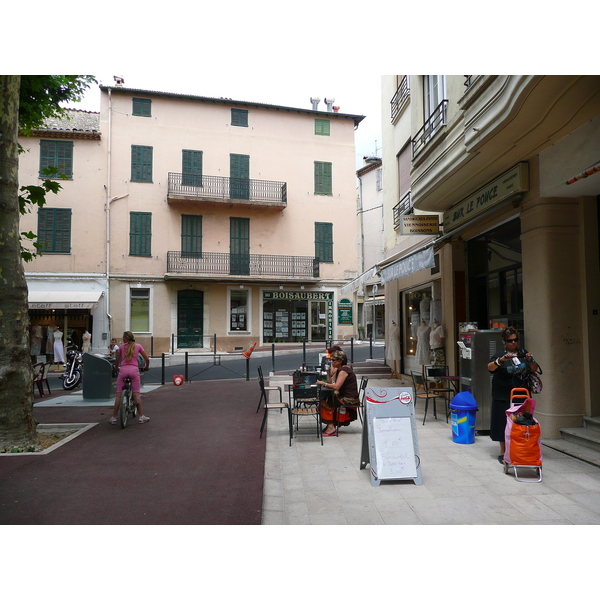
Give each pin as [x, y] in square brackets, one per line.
[203, 221]
[510, 164]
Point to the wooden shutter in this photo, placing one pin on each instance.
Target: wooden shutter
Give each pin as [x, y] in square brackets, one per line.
[191, 167]
[239, 117]
[191, 235]
[56, 154]
[54, 228]
[404, 164]
[323, 177]
[322, 127]
[140, 234]
[239, 173]
[324, 242]
[142, 107]
[141, 163]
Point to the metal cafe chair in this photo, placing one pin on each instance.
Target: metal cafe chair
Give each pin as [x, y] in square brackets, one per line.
[306, 401]
[40, 371]
[359, 407]
[264, 401]
[439, 373]
[427, 394]
[266, 388]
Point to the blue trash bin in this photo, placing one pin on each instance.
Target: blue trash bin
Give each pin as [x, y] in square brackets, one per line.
[464, 408]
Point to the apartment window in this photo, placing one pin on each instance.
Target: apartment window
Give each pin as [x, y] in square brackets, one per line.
[140, 234]
[139, 309]
[58, 155]
[434, 93]
[191, 167]
[238, 311]
[54, 230]
[239, 117]
[191, 236]
[142, 107]
[323, 178]
[322, 127]
[324, 242]
[141, 163]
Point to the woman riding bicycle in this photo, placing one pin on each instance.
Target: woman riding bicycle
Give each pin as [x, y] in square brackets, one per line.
[127, 365]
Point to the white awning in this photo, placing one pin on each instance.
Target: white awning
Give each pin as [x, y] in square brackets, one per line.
[42, 300]
[423, 259]
[358, 281]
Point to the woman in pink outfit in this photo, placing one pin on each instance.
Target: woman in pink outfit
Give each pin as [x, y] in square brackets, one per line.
[126, 364]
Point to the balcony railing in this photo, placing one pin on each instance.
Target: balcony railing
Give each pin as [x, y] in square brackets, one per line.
[400, 98]
[431, 126]
[403, 207]
[254, 265]
[211, 187]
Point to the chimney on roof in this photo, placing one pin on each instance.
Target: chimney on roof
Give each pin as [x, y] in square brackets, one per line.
[336, 109]
[119, 81]
[315, 103]
[329, 102]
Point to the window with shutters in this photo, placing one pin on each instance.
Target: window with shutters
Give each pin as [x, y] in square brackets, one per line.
[142, 107]
[324, 242]
[239, 117]
[140, 234]
[191, 167]
[56, 154]
[54, 230]
[323, 178]
[322, 127]
[141, 163]
[191, 236]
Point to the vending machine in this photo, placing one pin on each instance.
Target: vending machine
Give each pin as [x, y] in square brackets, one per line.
[476, 348]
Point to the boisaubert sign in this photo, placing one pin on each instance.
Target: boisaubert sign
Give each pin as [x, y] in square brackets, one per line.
[512, 182]
[420, 225]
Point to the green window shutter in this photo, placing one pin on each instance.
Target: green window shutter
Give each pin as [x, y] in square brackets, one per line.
[324, 242]
[54, 230]
[239, 246]
[56, 154]
[322, 127]
[239, 173]
[191, 235]
[323, 178]
[191, 167]
[142, 107]
[141, 163]
[239, 118]
[140, 234]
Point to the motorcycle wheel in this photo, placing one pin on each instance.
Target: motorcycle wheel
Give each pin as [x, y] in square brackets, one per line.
[71, 381]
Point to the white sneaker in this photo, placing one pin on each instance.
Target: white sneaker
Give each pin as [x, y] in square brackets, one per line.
[113, 420]
[143, 419]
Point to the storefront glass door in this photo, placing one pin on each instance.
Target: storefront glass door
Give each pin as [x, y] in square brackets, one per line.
[318, 321]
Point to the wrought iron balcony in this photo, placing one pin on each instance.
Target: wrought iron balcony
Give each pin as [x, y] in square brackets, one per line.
[252, 265]
[430, 128]
[210, 188]
[400, 98]
[404, 207]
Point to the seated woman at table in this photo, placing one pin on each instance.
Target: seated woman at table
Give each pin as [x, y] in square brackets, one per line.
[342, 380]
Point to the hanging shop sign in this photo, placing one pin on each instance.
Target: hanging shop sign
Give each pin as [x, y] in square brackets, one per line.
[424, 259]
[514, 181]
[345, 312]
[420, 225]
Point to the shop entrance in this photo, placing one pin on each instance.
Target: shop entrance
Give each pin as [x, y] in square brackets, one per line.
[496, 277]
[190, 318]
[318, 321]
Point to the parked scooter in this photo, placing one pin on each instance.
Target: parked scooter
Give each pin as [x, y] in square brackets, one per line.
[73, 370]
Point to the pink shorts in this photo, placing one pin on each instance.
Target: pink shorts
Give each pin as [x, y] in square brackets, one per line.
[129, 371]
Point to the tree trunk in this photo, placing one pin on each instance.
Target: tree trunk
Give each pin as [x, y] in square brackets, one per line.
[17, 426]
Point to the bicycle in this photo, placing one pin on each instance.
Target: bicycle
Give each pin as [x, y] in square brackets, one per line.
[128, 406]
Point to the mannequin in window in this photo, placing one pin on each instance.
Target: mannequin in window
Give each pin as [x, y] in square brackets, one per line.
[50, 339]
[86, 339]
[422, 353]
[36, 339]
[59, 350]
[393, 351]
[436, 342]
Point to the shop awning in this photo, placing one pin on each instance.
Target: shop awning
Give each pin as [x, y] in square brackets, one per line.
[42, 300]
[358, 281]
[423, 259]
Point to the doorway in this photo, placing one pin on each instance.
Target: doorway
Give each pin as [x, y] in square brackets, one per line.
[190, 318]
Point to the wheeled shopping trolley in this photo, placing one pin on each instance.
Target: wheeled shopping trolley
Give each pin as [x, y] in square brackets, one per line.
[522, 437]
